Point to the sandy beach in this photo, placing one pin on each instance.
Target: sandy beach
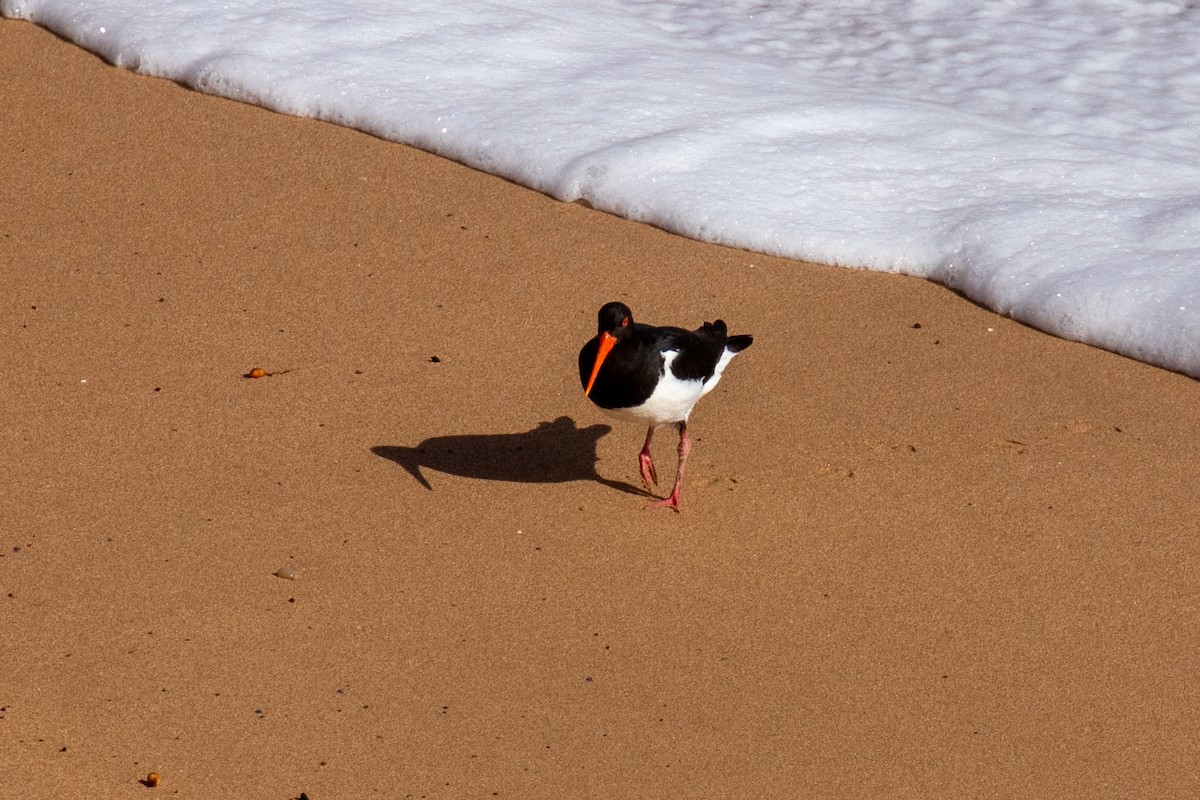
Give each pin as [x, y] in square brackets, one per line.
[924, 551]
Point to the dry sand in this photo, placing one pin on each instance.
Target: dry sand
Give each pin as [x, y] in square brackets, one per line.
[947, 561]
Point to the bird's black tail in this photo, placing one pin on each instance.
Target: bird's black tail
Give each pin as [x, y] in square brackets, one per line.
[736, 344]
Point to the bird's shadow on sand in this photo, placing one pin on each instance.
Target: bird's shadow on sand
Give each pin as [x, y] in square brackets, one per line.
[552, 452]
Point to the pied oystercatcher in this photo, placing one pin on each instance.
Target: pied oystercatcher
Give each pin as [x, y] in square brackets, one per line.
[641, 373]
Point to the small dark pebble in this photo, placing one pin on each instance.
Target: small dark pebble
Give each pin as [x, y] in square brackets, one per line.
[917, 325]
[434, 360]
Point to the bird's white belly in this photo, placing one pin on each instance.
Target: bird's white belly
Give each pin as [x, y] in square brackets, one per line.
[671, 401]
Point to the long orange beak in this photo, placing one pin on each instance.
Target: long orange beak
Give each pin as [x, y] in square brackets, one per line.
[607, 340]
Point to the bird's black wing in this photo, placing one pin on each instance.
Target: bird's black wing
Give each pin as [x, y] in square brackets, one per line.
[699, 350]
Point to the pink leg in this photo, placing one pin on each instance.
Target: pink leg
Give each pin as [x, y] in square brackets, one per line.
[685, 447]
[646, 464]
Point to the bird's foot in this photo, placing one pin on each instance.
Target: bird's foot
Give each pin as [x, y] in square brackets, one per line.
[671, 502]
[649, 476]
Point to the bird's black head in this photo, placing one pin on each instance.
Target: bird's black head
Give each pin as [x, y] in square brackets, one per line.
[615, 324]
[613, 317]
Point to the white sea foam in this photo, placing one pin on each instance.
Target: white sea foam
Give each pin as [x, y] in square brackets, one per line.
[1042, 156]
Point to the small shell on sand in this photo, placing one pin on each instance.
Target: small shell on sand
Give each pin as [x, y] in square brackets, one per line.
[287, 573]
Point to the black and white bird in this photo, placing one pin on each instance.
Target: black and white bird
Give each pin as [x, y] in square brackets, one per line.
[641, 373]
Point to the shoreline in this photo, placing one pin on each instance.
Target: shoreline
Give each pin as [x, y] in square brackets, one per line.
[924, 550]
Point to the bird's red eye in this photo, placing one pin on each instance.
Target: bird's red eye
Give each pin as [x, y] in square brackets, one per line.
[625, 322]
